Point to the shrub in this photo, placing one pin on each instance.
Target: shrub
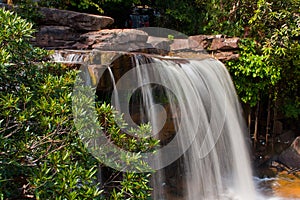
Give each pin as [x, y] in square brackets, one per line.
[41, 154]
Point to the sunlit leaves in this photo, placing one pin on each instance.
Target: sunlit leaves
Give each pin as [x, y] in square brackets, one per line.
[271, 63]
[40, 154]
[133, 185]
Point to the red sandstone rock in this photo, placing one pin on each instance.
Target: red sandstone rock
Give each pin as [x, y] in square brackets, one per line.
[224, 44]
[180, 44]
[62, 29]
[201, 41]
[226, 55]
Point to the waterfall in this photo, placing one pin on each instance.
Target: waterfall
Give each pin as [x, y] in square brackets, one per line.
[206, 157]
[116, 103]
[194, 111]
[69, 56]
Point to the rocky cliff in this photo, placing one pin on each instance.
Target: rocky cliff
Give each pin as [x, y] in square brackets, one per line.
[61, 29]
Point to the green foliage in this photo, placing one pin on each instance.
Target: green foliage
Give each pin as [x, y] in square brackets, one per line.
[278, 26]
[206, 17]
[41, 154]
[89, 6]
[28, 9]
[134, 140]
[253, 74]
[37, 139]
[133, 185]
[120, 150]
[269, 66]
[66, 174]
[182, 16]
[269, 63]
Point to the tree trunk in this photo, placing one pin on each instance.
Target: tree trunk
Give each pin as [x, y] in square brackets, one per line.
[249, 122]
[274, 121]
[268, 119]
[255, 134]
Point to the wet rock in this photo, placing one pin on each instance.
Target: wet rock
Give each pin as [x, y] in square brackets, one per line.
[165, 45]
[291, 156]
[75, 20]
[192, 55]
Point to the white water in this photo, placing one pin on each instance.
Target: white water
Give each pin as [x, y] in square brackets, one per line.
[68, 57]
[116, 103]
[216, 164]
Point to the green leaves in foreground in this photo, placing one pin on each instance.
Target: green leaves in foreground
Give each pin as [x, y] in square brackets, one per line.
[41, 153]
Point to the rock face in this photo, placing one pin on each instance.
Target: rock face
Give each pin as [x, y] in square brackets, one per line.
[133, 39]
[222, 47]
[224, 44]
[62, 29]
[56, 37]
[113, 40]
[202, 41]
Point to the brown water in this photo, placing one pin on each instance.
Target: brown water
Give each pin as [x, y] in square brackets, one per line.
[282, 187]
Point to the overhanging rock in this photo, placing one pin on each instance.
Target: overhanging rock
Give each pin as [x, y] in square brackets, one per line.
[76, 20]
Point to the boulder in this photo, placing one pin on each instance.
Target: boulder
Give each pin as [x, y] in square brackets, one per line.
[291, 156]
[114, 40]
[201, 41]
[180, 44]
[159, 42]
[78, 21]
[286, 136]
[55, 36]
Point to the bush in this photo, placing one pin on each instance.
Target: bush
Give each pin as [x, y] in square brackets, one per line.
[41, 154]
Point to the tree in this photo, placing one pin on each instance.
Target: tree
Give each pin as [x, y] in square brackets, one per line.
[267, 73]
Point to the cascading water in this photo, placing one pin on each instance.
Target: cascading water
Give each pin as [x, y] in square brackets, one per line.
[208, 142]
[205, 155]
[69, 56]
[193, 110]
